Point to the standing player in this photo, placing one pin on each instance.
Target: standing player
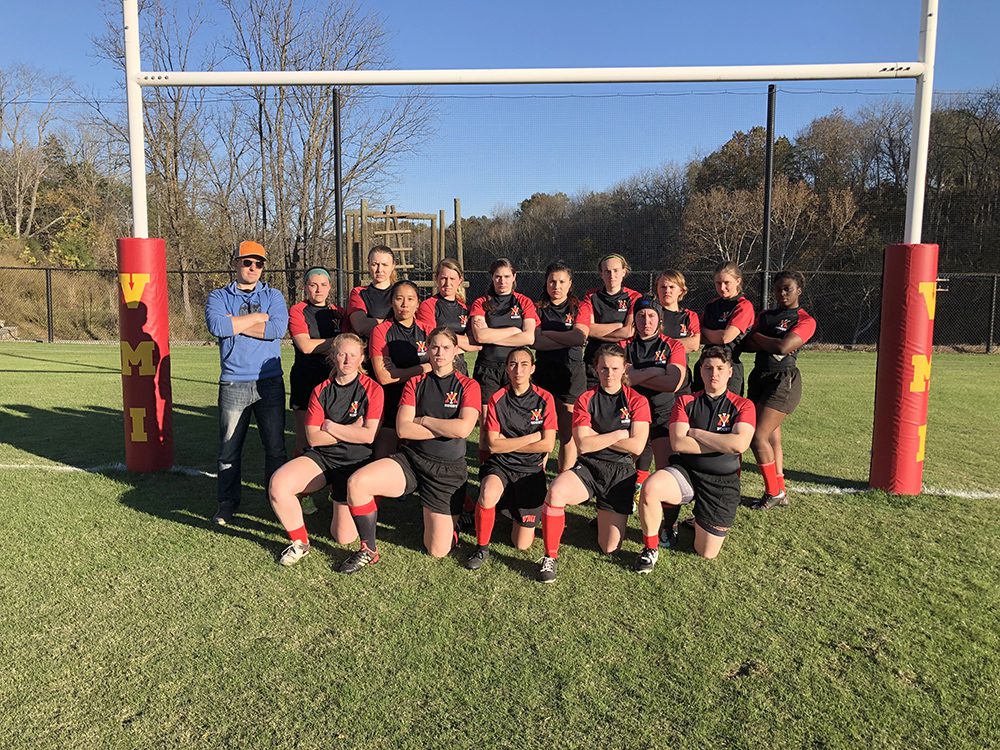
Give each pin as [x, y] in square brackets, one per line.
[397, 351]
[727, 320]
[369, 305]
[657, 370]
[775, 385]
[341, 423]
[559, 341]
[607, 311]
[520, 424]
[438, 412]
[709, 430]
[610, 427]
[447, 309]
[679, 323]
[313, 323]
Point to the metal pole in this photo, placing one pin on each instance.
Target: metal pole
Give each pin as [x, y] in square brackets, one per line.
[765, 287]
[338, 200]
[51, 323]
[136, 137]
[923, 101]
[993, 315]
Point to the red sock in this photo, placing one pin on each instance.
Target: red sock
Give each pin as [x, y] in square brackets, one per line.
[781, 482]
[299, 535]
[553, 524]
[485, 518]
[651, 542]
[771, 485]
[641, 476]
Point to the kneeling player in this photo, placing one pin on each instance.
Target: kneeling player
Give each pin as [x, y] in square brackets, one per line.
[520, 425]
[341, 422]
[709, 430]
[437, 412]
[610, 428]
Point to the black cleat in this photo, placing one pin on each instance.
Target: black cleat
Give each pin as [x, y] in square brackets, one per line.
[646, 561]
[478, 558]
[360, 559]
[547, 570]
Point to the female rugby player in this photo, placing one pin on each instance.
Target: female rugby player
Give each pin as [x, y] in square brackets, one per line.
[607, 311]
[727, 320]
[369, 305]
[447, 309]
[679, 323]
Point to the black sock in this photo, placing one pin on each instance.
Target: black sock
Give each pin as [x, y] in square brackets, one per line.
[670, 513]
[366, 528]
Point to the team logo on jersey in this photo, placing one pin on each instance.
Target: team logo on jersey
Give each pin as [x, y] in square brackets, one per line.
[569, 320]
[536, 416]
[451, 399]
[421, 348]
[723, 423]
[623, 305]
[515, 312]
[683, 331]
[660, 357]
[354, 409]
[782, 326]
[463, 320]
[625, 414]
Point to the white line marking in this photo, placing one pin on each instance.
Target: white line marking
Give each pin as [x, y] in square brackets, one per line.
[185, 470]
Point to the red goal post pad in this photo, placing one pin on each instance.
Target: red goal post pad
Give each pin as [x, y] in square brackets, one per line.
[903, 374]
[145, 354]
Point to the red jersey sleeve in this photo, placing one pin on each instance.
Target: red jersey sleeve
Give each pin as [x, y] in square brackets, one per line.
[678, 356]
[550, 422]
[472, 394]
[491, 423]
[679, 412]
[478, 307]
[581, 410]
[528, 309]
[314, 412]
[426, 317]
[639, 406]
[746, 411]
[297, 319]
[585, 315]
[805, 326]
[376, 398]
[694, 323]
[355, 303]
[409, 397]
[633, 295]
[743, 317]
[376, 344]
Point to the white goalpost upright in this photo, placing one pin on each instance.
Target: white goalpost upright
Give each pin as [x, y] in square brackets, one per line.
[922, 70]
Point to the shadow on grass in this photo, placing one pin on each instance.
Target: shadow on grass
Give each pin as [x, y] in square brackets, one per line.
[809, 477]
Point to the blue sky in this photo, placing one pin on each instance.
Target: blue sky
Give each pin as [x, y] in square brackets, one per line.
[495, 149]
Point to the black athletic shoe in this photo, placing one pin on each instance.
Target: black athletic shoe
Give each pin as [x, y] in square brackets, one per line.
[478, 558]
[668, 537]
[547, 570]
[360, 559]
[767, 502]
[224, 515]
[646, 561]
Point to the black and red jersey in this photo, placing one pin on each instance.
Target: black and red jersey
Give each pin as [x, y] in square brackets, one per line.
[403, 346]
[598, 306]
[362, 398]
[441, 398]
[777, 323]
[438, 312]
[318, 322]
[374, 303]
[719, 414]
[679, 324]
[722, 312]
[502, 311]
[512, 416]
[656, 351]
[559, 318]
[606, 412]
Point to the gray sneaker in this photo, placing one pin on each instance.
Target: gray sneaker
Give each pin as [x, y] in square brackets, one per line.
[547, 570]
[293, 553]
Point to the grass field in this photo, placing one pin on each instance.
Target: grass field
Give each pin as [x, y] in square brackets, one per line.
[849, 619]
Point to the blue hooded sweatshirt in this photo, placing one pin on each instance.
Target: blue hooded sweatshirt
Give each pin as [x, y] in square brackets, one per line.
[245, 358]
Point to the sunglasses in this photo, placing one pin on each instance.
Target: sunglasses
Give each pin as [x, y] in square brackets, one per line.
[248, 262]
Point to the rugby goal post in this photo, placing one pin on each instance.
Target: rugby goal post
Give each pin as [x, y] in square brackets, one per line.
[909, 273]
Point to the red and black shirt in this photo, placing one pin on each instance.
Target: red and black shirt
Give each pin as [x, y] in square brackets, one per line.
[441, 398]
[559, 318]
[777, 323]
[438, 312]
[502, 311]
[721, 313]
[403, 346]
[679, 324]
[720, 414]
[516, 416]
[374, 303]
[598, 306]
[606, 412]
[656, 351]
[345, 404]
[318, 322]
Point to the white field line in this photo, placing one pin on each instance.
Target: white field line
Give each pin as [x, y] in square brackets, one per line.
[185, 470]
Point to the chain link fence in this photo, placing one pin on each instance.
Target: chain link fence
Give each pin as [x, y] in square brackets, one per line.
[53, 304]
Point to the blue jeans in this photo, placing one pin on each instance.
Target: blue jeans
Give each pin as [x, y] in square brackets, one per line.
[265, 399]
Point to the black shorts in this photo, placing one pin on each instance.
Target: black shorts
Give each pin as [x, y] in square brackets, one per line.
[780, 391]
[491, 378]
[300, 387]
[612, 483]
[716, 497]
[440, 484]
[735, 382]
[523, 494]
[565, 382]
[336, 476]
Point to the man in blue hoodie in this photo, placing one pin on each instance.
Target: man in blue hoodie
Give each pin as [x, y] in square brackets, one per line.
[249, 318]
